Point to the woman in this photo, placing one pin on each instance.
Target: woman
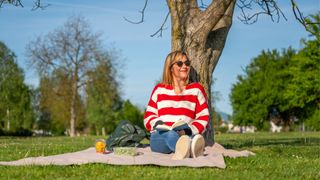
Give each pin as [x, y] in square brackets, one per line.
[176, 99]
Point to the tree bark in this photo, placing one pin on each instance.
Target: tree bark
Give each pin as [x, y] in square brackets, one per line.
[202, 35]
[8, 119]
[73, 104]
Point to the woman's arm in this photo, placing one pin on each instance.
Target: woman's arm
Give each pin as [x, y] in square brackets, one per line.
[199, 124]
[151, 115]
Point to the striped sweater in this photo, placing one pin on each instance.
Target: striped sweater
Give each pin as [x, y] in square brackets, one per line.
[190, 105]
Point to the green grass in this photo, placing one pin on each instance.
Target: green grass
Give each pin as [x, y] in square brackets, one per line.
[278, 156]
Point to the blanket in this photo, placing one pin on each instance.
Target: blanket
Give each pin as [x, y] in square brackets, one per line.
[213, 157]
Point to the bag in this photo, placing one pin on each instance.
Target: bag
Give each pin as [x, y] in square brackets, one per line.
[125, 135]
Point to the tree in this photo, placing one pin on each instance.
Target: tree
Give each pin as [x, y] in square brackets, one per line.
[72, 49]
[131, 113]
[53, 105]
[202, 35]
[103, 98]
[303, 92]
[55, 98]
[261, 90]
[15, 105]
[285, 85]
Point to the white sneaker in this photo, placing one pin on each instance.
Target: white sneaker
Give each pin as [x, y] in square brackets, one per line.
[197, 146]
[182, 148]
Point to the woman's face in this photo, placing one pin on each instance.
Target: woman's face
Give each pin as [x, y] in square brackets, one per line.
[180, 69]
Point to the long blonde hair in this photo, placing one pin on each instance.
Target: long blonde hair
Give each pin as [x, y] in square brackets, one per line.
[170, 60]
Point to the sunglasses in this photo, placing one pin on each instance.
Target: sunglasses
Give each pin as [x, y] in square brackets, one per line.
[180, 63]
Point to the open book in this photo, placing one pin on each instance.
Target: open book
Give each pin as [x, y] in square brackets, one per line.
[178, 125]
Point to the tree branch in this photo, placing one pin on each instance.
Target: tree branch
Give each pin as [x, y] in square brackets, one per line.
[160, 30]
[203, 5]
[302, 20]
[216, 11]
[142, 15]
[13, 2]
[268, 7]
[36, 4]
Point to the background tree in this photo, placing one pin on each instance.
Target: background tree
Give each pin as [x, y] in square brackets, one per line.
[103, 97]
[286, 84]
[55, 96]
[216, 118]
[303, 92]
[131, 113]
[262, 89]
[72, 49]
[15, 104]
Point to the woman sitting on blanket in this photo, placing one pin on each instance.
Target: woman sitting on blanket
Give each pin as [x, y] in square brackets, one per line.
[175, 99]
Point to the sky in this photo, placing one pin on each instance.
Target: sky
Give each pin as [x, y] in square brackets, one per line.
[142, 57]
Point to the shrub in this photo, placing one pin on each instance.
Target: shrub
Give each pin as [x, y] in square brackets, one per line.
[18, 132]
[313, 123]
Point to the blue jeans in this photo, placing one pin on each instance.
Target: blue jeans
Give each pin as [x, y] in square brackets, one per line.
[164, 141]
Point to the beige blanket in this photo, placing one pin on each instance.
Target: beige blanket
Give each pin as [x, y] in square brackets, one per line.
[213, 157]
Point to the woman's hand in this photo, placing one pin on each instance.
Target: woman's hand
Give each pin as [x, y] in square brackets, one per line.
[157, 123]
[181, 132]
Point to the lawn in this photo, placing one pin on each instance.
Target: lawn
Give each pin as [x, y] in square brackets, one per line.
[278, 156]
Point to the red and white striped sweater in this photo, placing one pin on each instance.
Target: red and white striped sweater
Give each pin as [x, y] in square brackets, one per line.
[190, 105]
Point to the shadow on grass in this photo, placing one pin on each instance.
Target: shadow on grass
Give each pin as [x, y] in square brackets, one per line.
[231, 144]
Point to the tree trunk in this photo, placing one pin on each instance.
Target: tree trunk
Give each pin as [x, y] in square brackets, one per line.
[202, 35]
[73, 104]
[8, 119]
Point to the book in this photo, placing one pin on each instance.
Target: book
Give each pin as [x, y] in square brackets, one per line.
[176, 126]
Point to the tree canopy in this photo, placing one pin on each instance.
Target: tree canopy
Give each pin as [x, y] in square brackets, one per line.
[287, 83]
[70, 54]
[15, 105]
[103, 97]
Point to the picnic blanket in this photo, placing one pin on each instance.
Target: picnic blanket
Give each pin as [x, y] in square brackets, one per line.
[213, 157]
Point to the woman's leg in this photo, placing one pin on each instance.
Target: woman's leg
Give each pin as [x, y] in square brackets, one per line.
[171, 138]
[163, 142]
